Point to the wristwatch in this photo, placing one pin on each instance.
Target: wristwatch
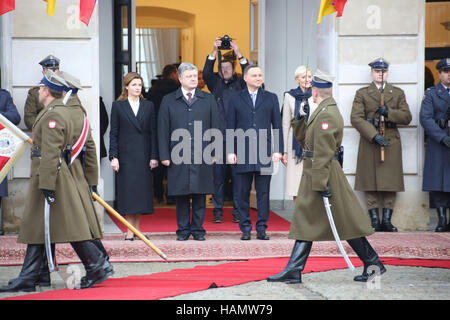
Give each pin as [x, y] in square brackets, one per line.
[241, 57]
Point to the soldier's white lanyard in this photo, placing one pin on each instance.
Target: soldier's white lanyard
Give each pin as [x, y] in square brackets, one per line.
[78, 146]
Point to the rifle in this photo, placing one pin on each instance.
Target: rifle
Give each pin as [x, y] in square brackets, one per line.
[382, 126]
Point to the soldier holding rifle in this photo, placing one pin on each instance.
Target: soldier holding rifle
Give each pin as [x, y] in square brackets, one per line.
[380, 172]
[435, 119]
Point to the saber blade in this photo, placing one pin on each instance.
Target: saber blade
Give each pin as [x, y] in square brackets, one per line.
[335, 233]
[48, 244]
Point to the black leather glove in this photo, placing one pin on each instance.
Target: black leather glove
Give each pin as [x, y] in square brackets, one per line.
[326, 193]
[306, 107]
[380, 140]
[446, 141]
[441, 123]
[298, 117]
[49, 195]
[383, 110]
[93, 189]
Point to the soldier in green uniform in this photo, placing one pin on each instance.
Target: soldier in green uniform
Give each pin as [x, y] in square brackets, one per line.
[32, 104]
[374, 176]
[321, 138]
[58, 174]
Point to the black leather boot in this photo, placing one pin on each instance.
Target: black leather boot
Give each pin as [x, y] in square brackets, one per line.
[368, 256]
[375, 219]
[44, 271]
[29, 275]
[107, 266]
[386, 224]
[93, 261]
[297, 261]
[442, 223]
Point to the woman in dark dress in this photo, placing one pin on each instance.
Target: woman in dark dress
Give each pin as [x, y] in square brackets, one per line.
[133, 150]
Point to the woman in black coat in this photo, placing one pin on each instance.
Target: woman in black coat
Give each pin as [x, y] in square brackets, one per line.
[133, 150]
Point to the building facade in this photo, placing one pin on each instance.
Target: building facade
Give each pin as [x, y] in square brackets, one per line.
[277, 34]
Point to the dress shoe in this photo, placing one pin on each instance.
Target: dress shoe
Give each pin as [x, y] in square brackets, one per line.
[183, 237]
[245, 236]
[262, 236]
[199, 237]
[235, 219]
[217, 219]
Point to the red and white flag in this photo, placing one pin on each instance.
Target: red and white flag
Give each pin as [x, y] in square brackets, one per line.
[7, 6]
[86, 9]
[12, 144]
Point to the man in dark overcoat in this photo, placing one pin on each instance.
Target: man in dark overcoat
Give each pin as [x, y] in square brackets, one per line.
[252, 114]
[374, 176]
[435, 118]
[185, 120]
[321, 137]
[9, 111]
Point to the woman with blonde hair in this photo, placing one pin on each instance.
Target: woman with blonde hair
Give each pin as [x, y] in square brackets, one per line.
[294, 100]
[133, 150]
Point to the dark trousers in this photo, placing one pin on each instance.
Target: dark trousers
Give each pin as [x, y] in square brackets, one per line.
[262, 186]
[187, 226]
[220, 175]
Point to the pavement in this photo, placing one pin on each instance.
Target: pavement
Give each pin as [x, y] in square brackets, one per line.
[398, 283]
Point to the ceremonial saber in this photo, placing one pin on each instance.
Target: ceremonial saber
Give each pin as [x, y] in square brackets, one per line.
[335, 234]
[48, 244]
[128, 225]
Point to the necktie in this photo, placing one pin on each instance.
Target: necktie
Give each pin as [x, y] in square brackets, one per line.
[253, 98]
[189, 97]
[448, 90]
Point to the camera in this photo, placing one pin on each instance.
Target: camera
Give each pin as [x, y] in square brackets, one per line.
[226, 43]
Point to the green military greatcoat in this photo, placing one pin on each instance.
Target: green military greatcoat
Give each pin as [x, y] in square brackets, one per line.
[371, 173]
[32, 107]
[323, 135]
[72, 215]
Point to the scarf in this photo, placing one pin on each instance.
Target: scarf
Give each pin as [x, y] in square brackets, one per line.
[299, 96]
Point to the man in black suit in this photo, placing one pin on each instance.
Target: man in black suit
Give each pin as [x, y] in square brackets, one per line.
[184, 122]
[256, 112]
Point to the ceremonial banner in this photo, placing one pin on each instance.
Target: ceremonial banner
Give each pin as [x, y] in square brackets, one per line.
[12, 145]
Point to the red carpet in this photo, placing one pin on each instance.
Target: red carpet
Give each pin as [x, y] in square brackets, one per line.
[165, 220]
[181, 281]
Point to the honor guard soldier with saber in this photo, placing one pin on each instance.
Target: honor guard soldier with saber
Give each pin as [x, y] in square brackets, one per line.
[435, 120]
[321, 138]
[379, 169]
[32, 104]
[59, 177]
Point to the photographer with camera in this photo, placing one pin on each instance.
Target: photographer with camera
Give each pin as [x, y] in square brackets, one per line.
[222, 84]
